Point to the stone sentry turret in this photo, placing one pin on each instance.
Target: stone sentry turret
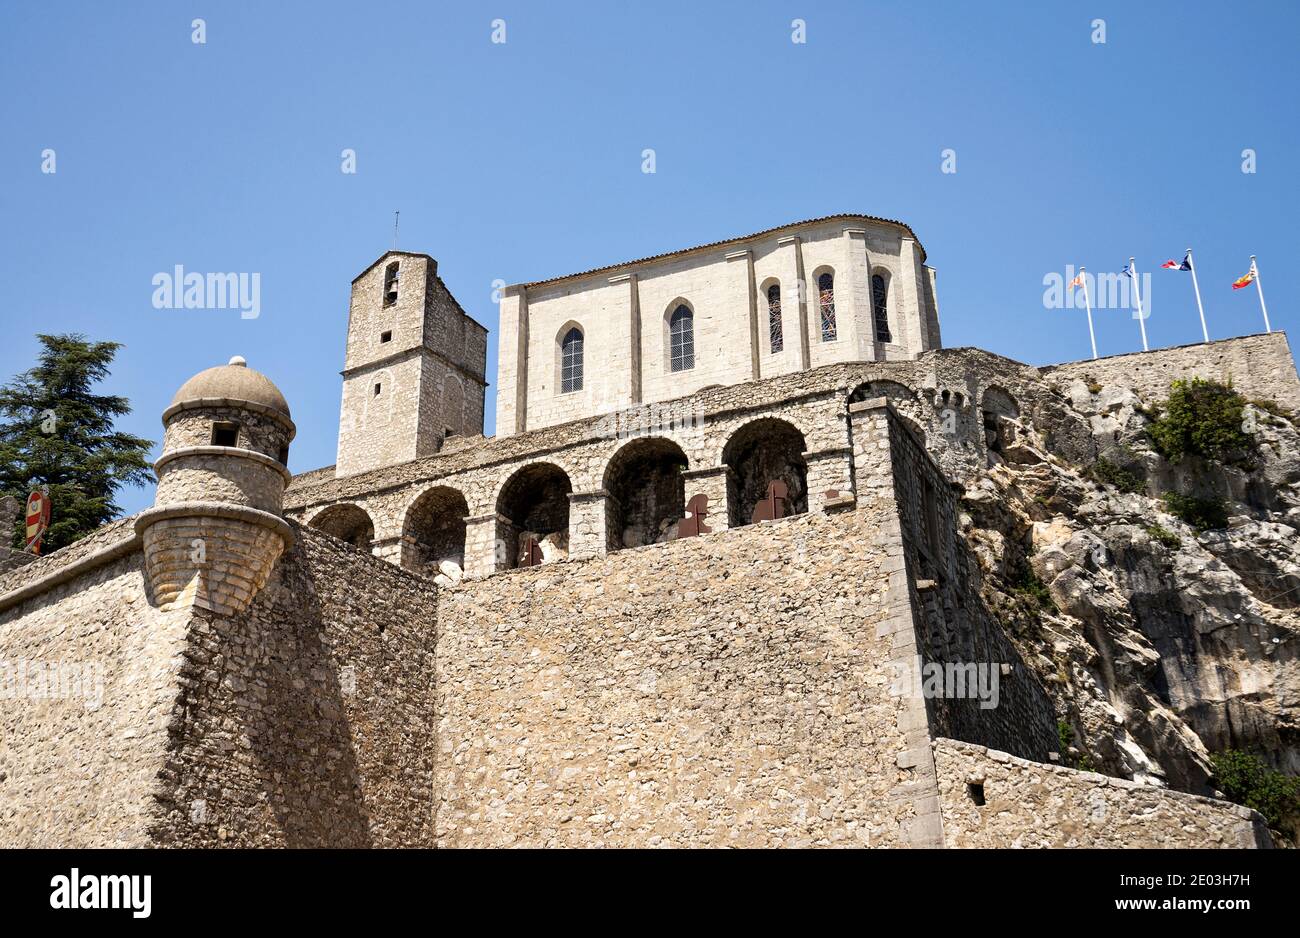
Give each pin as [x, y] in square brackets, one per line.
[216, 528]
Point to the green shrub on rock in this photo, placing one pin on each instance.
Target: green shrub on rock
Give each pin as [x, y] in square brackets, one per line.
[1105, 472]
[1202, 418]
[1165, 536]
[1204, 514]
[1247, 779]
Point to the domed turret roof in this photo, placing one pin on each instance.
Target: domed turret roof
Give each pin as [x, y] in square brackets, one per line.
[236, 382]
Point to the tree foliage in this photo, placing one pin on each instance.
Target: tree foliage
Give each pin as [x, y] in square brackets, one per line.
[54, 431]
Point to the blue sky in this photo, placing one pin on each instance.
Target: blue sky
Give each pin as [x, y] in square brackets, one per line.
[522, 160]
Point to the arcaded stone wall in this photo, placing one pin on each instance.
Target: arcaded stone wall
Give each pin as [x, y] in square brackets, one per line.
[1259, 366]
[728, 690]
[308, 720]
[87, 672]
[939, 393]
[1027, 804]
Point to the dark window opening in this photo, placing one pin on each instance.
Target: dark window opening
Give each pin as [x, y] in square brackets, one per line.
[390, 284]
[774, 318]
[1000, 413]
[225, 434]
[880, 311]
[378, 388]
[930, 530]
[284, 455]
[386, 336]
[976, 792]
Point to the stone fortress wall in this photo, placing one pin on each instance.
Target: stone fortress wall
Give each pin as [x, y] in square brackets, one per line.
[746, 687]
[88, 670]
[308, 719]
[725, 690]
[305, 720]
[991, 799]
[734, 688]
[1259, 366]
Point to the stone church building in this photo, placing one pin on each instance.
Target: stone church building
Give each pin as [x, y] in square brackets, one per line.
[682, 598]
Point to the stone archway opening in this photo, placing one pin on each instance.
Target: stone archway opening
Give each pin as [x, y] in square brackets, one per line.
[435, 529]
[534, 505]
[348, 523]
[902, 398]
[999, 412]
[760, 453]
[647, 493]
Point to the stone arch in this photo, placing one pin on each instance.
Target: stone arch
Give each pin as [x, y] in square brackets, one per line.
[882, 387]
[999, 411]
[453, 406]
[347, 522]
[434, 527]
[534, 500]
[998, 400]
[903, 399]
[760, 452]
[647, 494]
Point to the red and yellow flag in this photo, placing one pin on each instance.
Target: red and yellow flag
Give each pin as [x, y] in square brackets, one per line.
[1246, 280]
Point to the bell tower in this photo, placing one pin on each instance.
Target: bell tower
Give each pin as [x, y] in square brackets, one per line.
[413, 374]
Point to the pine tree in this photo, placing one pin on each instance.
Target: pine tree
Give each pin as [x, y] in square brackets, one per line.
[54, 431]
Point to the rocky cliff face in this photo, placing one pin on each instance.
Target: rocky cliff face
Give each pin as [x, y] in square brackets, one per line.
[1159, 644]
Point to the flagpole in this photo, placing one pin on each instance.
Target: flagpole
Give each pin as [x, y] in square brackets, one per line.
[1088, 306]
[1137, 293]
[1255, 270]
[1197, 287]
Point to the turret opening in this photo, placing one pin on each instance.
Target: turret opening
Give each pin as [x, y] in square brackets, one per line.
[225, 434]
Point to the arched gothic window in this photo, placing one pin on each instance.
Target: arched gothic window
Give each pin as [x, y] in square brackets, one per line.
[774, 317]
[826, 299]
[879, 297]
[571, 361]
[681, 339]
